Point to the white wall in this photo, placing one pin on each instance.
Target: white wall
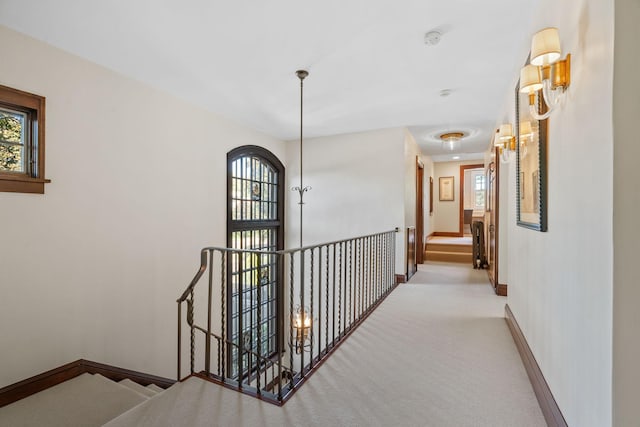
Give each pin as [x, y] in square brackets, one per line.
[357, 185]
[626, 205]
[92, 268]
[446, 215]
[560, 282]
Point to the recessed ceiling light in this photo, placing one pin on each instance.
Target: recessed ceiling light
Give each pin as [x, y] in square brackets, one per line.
[432, 38]
[456, 157]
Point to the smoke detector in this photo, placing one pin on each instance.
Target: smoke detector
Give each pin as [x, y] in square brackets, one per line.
[432, 38]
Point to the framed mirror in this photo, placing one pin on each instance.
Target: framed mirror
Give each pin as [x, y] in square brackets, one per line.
[531, 164]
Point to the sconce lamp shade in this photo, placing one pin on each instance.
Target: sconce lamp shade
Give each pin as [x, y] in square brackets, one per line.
[525, 129]
[530, 79]
[506, 131]
[545, 47]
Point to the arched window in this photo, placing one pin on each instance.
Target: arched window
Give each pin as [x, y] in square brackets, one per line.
[255, 220]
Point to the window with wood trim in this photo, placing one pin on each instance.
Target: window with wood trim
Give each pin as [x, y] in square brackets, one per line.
[255, 220]
[21, 141]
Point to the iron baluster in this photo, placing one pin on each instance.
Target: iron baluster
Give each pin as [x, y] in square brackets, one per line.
[333, 299]
[207, 343]
[223, 305]
[291, 282]
[280, 259]
[360, 284]
[259, 321]
[350, 282]
[179, 339]
[319, 302]
[311, 310]
[193, 331]
[326, 326]
[240, 346]
[340, 292]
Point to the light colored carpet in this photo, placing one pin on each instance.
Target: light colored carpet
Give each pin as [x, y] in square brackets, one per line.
[437, 352]
[84, 401]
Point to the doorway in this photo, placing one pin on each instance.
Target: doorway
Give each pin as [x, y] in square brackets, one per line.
[492, 223]
[419, 211]
[473, 202]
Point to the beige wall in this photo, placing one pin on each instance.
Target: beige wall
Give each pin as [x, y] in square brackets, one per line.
[560, 282]
[626, 206]
[92, 268]
[357, 183]
[446, 215]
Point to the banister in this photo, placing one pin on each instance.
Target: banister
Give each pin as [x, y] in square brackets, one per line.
[259, 333]
[203, 255]
[201, 270]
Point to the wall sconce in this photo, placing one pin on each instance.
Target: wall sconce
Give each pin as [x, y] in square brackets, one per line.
[546, 72]
[301, 322]
[505, 141]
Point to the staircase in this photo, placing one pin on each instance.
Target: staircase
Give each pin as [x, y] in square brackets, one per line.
[86, 400]
[449, 250]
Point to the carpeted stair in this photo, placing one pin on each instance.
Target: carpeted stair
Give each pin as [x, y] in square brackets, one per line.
[84, 401]
[449, 252]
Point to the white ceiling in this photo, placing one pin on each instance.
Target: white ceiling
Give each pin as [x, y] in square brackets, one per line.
[368, 63]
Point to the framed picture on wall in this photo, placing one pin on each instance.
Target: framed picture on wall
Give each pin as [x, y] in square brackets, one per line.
[446, 189]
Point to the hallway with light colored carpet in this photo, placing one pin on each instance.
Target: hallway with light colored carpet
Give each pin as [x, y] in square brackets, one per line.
[437, 352]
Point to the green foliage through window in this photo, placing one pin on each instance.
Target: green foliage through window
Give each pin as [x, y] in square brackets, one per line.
[12, 141]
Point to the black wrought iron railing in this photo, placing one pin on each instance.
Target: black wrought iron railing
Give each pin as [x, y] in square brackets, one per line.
[266, 319]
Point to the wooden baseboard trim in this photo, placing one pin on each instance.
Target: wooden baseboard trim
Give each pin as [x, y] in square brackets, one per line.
[550, 409]
[43, 381]
[447, 234]
[118, 374]
[401, 278]
[501, 290]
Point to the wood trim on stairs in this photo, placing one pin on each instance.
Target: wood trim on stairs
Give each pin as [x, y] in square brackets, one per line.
[550, 409]
[501, 290]
[446, 234]
[118, 374]
[43, 381]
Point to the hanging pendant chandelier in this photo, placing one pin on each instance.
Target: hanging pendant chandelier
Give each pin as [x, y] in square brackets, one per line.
[301, 189]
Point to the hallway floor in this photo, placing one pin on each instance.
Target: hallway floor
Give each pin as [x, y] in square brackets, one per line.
[437, 352]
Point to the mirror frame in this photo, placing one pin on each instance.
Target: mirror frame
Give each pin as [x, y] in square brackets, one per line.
[522, 103]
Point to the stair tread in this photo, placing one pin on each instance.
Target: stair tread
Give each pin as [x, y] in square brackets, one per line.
[155, 388]
[138, 388]
[86, 400]
[436, 247]
[460, 257]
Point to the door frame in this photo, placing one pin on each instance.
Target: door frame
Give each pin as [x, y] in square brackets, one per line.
[461, 212]
[494, 220]
[419, 211]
